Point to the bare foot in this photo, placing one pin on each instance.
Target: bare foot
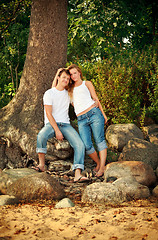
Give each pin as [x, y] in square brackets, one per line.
[39, 168]
[100, 173]
[96, 169]
[81, 179]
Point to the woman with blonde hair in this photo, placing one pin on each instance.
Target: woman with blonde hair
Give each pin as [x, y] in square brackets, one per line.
[91, 119]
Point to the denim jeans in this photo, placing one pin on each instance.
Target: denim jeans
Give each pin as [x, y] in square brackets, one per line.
[92, 122]
[70, 134]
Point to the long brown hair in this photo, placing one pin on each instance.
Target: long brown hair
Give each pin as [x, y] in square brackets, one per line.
[72, 83]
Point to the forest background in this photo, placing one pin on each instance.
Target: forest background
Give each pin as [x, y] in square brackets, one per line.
[114, 42]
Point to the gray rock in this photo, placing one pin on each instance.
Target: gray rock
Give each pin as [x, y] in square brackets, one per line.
[143, 173]
[131, 188]
[59, 165]
[65, 203]
[122, 190]
[8, 200]
[61, 145]
[152, 133]
[58, 149]
[36, 186]
[102, 192]
[155, 191]
[140, 150]
[8, 176]
[118, 135]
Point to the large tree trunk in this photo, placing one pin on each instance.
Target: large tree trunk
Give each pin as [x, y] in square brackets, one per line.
[22, 118]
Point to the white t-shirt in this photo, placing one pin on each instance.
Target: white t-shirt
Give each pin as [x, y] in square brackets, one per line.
[60, 101]
[82, 99]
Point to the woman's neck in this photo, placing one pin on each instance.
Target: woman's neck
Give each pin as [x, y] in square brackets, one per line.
[78, 83]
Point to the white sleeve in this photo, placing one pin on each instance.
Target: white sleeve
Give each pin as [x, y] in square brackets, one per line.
[47, 100]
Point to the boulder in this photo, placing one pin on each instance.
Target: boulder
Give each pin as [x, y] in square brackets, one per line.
[151, 132]
[140, 150]
[8, 176]
[118, 135]
[36, 186]
[131, 188]
[28, 184]
[60, 149]
[155, 191]
[8, 200]
[59, 165]
[102, 192]
[121, 190]
[143, 173]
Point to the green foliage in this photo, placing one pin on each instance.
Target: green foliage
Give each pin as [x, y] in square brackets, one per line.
[125, 77]
[126, 84]
[8, 94]
[99, 27]
[14, 29]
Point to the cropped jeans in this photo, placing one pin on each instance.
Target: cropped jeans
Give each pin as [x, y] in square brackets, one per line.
[92, 122]
[70, 134]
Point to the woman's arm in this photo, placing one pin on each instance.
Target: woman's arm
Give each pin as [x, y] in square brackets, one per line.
[95, 97]
[54, 83]
[58, 134]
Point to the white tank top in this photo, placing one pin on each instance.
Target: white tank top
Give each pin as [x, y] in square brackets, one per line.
[81, 98]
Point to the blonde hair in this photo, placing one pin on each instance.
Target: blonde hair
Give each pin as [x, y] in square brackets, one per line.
[72, 83]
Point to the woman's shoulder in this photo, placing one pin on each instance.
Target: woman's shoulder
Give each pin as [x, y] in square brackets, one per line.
[88, 83]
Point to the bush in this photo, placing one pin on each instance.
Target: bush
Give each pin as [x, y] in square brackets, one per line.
[126, 84]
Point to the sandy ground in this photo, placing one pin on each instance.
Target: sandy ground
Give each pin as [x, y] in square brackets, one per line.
[136, 220]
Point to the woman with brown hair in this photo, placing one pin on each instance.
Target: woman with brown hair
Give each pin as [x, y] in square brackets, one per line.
[91, 119]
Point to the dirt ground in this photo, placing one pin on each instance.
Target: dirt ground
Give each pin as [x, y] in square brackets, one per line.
[136, 220]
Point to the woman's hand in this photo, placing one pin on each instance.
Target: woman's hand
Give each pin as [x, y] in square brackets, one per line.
[54, 84]
[106, 119]
[96, 104]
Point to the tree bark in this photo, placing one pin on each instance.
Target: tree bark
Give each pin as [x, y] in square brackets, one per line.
[22, 118]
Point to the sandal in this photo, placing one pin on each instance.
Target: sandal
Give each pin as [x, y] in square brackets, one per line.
[82, 179]
[37, 169]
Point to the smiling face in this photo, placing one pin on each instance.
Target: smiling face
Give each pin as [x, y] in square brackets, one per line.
[75, 74]
[63, 79]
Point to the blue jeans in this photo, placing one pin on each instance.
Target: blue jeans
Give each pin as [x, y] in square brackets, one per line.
[92, 122]
[70, 134]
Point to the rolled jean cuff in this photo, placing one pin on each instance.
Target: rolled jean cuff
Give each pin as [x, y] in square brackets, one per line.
[41, 150]
[75, 166]
[92, 150]
[102, 145]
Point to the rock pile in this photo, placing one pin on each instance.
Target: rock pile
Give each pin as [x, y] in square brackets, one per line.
[131, 171]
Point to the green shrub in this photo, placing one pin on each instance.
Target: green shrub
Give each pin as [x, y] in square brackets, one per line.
[8, 94]
[126, 84]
